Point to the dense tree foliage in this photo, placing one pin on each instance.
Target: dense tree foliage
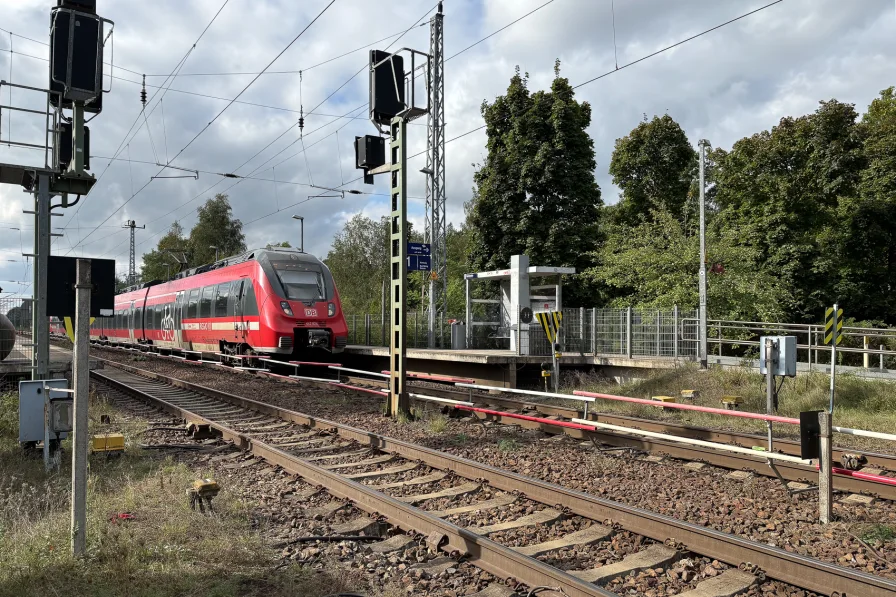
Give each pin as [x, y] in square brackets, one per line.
[535, 194]
[653, 166]
[215, 227]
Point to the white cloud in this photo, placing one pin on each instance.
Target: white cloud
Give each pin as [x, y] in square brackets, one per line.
[728, 84]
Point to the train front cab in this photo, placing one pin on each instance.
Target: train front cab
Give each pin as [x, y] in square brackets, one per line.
[301, 307]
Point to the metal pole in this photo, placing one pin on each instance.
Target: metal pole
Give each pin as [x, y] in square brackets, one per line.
[582, 330]
[555, 352]
[435, 221]
[628, 332]
[40, 335]
[704, 358]
[825, 463]
[770, 358]
[469, 314]
[398, 398]
[302, 235]
[367, 329]
[658, 334]
[881, 357]
[833, 356]
[81, 377]
[866, 358]
[594, 330]
[675, 331]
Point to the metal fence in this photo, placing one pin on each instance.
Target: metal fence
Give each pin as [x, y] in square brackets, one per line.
[869, 348]
[18, 311]
[624, 332]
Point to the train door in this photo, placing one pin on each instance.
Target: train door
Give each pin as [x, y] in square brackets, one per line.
[236, 297]
[131, 323]
[180, 304]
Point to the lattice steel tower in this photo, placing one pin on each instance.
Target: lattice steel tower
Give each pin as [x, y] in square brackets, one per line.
[132, 264]
[435, 221]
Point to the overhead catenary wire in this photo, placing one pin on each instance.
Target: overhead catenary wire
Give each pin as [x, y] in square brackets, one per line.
[172, 77]
[206, 127]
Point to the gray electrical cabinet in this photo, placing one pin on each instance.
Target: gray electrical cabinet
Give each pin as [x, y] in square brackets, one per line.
[784, 364]
[34, 403]
[458, 336]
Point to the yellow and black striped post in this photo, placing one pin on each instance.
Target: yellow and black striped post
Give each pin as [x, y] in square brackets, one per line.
[833, 335]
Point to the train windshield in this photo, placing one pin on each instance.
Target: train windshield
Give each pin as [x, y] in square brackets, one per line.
[301, 282]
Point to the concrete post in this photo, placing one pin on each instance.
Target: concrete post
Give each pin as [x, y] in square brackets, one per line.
[881, 357]
[866, 358]
[519, 293]
[81, 375]
[825, 462]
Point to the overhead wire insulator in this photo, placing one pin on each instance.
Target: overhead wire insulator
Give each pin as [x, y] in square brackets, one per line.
[143, 93]
[301, 108]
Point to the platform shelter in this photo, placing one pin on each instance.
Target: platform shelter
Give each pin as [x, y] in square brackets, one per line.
[503, 316]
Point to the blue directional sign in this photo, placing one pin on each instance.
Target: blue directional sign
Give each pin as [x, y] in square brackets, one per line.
[419, 249]
[419, 263]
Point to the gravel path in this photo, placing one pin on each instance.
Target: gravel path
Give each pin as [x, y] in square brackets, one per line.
[757, 508]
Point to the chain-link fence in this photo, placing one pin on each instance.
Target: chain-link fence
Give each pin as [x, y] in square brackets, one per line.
[15, 344]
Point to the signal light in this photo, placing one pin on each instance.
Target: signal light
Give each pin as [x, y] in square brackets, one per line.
[386, 86]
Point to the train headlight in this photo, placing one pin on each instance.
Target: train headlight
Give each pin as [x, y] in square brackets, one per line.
[331, 309]
[286, 309]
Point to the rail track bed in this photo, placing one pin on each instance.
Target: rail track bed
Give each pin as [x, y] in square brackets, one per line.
[798, 475]
[507, 524]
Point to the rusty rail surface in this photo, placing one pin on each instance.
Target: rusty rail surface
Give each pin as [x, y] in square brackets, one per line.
[777, 563]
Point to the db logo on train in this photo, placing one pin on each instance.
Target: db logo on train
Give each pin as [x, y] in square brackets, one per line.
[310, 312]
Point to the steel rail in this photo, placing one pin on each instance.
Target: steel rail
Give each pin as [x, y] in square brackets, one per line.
[787, 471]
[777, 563]
[482, 552]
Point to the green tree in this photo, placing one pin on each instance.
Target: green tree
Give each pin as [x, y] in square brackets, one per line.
[654, 264]
[216, 227]
[284, 245]
[536, 194]
[654, 166]
[163, 261]
[863, 238]
[780, 190]
[359, 262]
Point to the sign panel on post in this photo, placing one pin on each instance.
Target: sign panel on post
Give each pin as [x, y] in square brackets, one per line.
[419, 249]
[419, 263]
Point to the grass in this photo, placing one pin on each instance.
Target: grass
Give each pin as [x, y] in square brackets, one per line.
[438, 424]
[166, 550]
[859, 403]
[508, 445]
[878, 534]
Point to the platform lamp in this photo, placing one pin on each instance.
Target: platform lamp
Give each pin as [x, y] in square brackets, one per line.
[216, 251]
[302, 233]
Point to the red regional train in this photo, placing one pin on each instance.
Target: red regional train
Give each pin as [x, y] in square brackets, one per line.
[268, 301]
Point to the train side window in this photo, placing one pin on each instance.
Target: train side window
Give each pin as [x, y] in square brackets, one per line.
[150, 319]
[205, 303]
[221, 299]
[193, 307]
[138, 322]
[250, 306]
[233, 301]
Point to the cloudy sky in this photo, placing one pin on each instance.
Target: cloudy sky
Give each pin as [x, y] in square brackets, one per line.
[722, 86]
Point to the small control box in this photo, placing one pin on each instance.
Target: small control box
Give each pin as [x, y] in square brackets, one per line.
[783, 355]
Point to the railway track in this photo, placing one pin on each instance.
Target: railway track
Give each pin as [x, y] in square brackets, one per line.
[786, 471]
[396, 481]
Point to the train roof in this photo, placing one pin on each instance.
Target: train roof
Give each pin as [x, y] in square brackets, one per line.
[252, 255]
